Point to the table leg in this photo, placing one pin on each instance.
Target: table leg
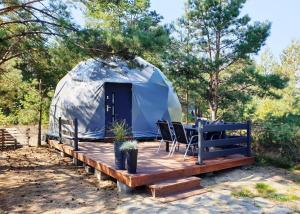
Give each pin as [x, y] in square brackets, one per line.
[167, 146]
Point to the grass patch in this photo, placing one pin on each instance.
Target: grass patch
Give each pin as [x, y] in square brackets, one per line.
[244, 193]
[283, 197]
[265, 191]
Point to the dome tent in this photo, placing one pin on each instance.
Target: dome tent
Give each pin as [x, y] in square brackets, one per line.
[98, 92]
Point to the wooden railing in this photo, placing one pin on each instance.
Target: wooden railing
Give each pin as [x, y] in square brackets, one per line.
[228, 145]
[7, 139]
[67, 134]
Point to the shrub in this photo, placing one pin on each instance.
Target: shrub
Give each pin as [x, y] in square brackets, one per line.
[280, 135]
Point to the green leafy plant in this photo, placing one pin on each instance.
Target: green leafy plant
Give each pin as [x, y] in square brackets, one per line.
[129, 145]
[120, 130]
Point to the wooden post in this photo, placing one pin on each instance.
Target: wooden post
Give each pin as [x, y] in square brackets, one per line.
[249, 138]
[28, 135]
[59, 130]
[200, 136]
[39, 143]
[2, 138]
[75, 122]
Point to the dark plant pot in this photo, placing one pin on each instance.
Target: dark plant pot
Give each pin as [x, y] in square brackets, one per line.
[131, 156]
[119, 156]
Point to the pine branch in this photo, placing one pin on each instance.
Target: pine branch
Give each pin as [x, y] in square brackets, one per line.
[28, 33]
[17, 6]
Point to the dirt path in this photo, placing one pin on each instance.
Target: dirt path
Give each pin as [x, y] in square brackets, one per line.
[35, 180]
[38, 180]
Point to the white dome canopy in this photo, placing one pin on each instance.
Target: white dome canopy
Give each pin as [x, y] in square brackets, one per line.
[84, 93]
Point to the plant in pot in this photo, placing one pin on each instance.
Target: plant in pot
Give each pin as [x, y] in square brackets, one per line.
[130, 148]
[119, 129]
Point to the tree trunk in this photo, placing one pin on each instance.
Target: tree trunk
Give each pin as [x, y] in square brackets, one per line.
[187, 105]
[198, 111]
[214, 80]
[213, 97]
[39, 141]
[213, 114]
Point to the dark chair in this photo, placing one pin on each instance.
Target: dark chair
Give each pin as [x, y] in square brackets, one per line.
[165, 133]
[181, 137]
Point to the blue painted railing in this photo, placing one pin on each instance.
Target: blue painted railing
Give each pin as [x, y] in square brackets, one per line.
[228, 145]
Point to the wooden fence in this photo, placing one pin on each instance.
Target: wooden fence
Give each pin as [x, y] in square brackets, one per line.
[65, 133]
[228, 145]
[7, 139]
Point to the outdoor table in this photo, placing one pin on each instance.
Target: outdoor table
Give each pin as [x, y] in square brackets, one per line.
[192, 130]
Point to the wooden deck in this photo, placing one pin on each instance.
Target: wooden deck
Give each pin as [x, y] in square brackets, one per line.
[152, 167]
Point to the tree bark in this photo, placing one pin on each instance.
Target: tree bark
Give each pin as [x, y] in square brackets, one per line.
[39, 142]
[214, 80]
[213, 99]
[187, 105]
[213, 114]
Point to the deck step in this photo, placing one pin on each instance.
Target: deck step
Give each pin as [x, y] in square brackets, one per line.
[182, 195]
[174, 186]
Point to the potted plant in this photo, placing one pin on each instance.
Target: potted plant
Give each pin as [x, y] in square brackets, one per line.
[119, 130]
[130, 148]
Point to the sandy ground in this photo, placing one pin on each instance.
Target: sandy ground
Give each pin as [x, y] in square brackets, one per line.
[38, 180]
[35, 180]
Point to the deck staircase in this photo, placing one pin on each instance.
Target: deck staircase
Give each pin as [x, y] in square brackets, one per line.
[8, 138]
[176, 189]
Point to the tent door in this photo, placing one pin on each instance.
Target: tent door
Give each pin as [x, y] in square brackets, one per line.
[118, 104]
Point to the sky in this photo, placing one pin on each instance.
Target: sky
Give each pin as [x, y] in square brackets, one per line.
[283, 14]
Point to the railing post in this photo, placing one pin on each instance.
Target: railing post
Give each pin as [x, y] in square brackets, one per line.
[59, 130]
[75, 122]
[249, 138]
[200, 136]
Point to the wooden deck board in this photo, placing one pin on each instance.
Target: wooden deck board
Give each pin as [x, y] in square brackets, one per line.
[152, 167]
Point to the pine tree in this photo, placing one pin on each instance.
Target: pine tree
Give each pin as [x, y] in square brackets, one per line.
[221, 45]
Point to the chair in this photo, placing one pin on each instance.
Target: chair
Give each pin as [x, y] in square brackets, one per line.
[181, 137]
[166, 134]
